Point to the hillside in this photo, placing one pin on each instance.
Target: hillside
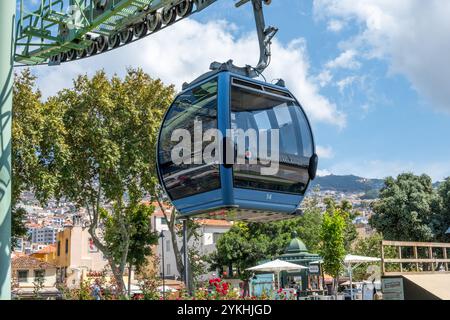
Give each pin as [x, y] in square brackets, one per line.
[349, 183]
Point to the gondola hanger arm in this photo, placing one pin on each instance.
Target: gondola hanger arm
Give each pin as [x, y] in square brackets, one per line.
[265, 36]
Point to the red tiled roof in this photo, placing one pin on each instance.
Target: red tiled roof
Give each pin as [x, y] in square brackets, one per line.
[27, 262]
[48, 249]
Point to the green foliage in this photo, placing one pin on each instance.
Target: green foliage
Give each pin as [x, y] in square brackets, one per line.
[239, 248]
[38, 285]
[138, 221]
[26, 132]
[371, 195]
[93, 144]
[307, 226]
[28, 120]
[247, 244]
[333, 238]
[407, 209]
[17, 227]
[345, 207]
[110, 135]
[441, 223]
[368, 247]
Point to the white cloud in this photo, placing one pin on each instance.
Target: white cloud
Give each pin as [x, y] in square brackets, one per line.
[323, 173]
[325, 152]
[346, 60]
[324, 78]
[411, 34]
[184, 51]
[335, 25]
[344, 83]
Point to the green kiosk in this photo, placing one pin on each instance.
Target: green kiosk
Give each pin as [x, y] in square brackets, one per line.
[306, 279]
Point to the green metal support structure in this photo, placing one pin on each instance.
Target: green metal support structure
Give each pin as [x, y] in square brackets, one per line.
[7, 29]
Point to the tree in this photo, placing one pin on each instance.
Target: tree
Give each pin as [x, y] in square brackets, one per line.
[369, 247]
[18, 229]
[140, 234]
[197, 263]
[441, 223]
[306, 226]
[349, 214]
[243, 246]
[27, 135]
[406, 210]
[175, 229]
[333, 242]
[102, 142]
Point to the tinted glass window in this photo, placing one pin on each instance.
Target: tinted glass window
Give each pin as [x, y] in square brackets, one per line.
[186, 180]
[263, 112]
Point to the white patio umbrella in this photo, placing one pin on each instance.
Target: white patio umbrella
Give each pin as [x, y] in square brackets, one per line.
[277, 266]
[352, 261]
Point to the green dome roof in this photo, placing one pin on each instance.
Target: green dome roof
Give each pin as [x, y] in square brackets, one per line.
[296, 245]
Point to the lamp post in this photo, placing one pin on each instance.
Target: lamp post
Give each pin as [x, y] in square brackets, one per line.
[161, 235]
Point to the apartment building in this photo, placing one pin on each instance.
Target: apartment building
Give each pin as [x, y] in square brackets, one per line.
[43, 235]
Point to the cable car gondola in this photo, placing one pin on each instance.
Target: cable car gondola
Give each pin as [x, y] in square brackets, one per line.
[262, 157]
[235, 190]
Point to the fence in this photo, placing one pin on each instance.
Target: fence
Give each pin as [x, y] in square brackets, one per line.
[413, 257]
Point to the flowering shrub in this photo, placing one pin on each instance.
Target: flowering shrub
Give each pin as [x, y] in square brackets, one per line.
[217, 290]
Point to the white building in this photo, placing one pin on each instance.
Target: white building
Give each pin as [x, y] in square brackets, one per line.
[27, 271]
[209, 233]
[44, 235]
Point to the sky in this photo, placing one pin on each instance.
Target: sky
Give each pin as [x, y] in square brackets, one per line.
[372, 75]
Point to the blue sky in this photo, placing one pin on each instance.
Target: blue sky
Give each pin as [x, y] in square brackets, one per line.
[372, 75]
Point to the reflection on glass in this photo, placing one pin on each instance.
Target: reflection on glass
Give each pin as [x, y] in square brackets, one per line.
[198, 104]
[259, 111]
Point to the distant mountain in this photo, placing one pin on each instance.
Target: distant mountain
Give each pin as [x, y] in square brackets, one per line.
[437, 184]
[349, 183]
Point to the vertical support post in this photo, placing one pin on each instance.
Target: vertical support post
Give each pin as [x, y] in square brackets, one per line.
[186, 257]
[350, 272]
[400, 257]
[7, 31]
[416, 256]
[161, 235]
[445, 258]
[383, 270]
[430, 256]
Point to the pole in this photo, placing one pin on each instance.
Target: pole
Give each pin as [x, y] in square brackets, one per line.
[279, 280]
[7, 22]
[163, 266]
[350, 270]
[186, 258]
